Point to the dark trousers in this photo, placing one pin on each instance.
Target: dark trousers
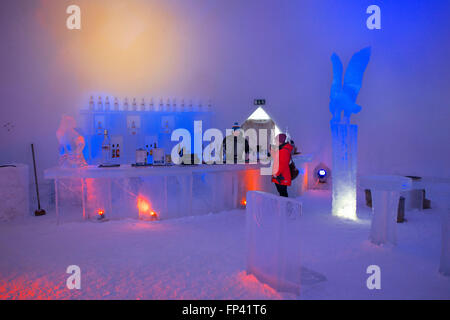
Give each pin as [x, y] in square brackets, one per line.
[282, 190]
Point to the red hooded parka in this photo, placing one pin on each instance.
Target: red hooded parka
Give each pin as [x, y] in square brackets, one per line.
[281, 159]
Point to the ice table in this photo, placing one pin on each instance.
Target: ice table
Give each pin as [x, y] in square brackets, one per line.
[14, 191]
[386, 191]
[438, 191]
[273, 244]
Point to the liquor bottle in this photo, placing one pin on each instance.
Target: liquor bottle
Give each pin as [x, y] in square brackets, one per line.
[143, 105]
[209, 106]
[168, 105]
[174, 105]
[190, 109]
[161, 105]
[182, 106]
[150, 155]
[125, 104]
[151, 107]
[200, 106]
[107, 105]
[100, 104]
[106, 148]
[134, 104]
[118, 151]
[116, 104]
[113, 151]
[91, 104]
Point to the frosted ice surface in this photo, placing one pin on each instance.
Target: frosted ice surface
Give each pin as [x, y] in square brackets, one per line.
[438, 191]
[14, 192]
[386, 183]
[273, 240]
[445, 248]
[345, 151]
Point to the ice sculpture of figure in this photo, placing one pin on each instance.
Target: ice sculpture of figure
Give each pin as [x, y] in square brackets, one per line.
[344, 135]
[343, 97]
[71, 144]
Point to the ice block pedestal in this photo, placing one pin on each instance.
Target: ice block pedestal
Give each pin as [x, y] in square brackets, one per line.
[385, 191]
[344, 143]
[445, 249]
[438, 191]
[273, 243]
[14, 192]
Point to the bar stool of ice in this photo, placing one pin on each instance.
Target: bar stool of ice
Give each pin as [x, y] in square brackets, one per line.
[385, 191]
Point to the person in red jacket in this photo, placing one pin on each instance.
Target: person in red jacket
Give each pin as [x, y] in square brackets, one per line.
[281, 174]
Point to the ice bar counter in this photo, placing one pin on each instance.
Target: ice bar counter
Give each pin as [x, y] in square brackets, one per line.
[166, 191]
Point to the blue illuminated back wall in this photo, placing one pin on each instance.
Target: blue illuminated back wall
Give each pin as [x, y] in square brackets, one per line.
[132, 130]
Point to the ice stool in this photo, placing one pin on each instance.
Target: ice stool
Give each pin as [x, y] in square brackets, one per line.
[385, 191]
[273, 244]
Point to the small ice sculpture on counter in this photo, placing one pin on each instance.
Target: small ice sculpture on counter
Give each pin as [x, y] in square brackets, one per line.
[273, 240]
[344, 135]
[71, 144]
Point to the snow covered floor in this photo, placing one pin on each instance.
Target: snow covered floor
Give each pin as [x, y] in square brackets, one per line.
[204, 258]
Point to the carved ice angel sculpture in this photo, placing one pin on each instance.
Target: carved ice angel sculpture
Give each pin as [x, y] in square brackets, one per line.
[71, 144]
[343, 97]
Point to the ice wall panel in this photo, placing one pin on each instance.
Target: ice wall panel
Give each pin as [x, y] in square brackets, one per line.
[273, 240]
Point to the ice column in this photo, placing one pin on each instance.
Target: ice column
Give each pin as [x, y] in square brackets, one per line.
[344, 143]
[273, 240]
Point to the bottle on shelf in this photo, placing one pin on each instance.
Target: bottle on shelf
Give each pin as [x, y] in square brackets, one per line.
[151, 106]
[113, 151]
[200, 106]
[150, 155]
[91, 104]
[125, 104]
[100, 104]
[174, 105]
[182, 106]
[191, 108]
[116, 104]
[117, 151]
[143, 105]
[161, 105]
[167, 105]
[209, 105]
[134, 104]
[107, 105]
[106, 148]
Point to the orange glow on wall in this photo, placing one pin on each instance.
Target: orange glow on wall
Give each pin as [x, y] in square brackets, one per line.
[145, 209]
[143, 205]
[123, 47]
[244, 202]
